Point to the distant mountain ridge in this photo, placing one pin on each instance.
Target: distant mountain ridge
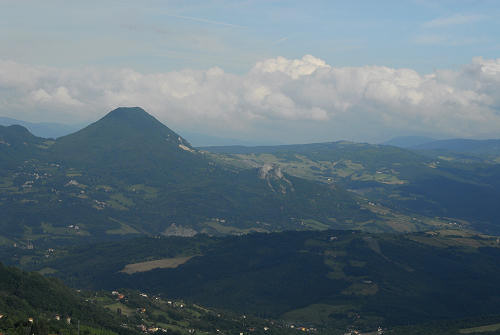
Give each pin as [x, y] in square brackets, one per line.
[55, 130]
[128, 173]
[42, 129]
[408, 141]
[488, 147]
[434, 183]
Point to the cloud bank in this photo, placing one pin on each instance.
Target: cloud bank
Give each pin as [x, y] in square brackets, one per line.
[286, 100]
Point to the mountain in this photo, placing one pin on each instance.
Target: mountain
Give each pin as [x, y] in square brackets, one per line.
[328, 278]
[132, 142]
[30, 296]
[128, 174]
[33, 304]
[16, 143]
[42, 129]
[410, 186]
[465, 146]
[408, 141]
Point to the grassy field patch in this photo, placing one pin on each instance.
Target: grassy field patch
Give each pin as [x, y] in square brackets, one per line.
[361, 289]
[125, 309]
[165, 263]
[223, 229]
[481, 329]
[123, 230]
[47, 271]
[120, 202]
[315, 225]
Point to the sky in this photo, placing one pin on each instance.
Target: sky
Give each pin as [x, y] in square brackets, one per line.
[264, 71]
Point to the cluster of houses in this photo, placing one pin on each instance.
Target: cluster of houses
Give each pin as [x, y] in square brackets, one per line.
[99, 204]
[151, 330]
[72, 182]
[118, 295]
[35, 176]
[57, 317]
[379, 331]
[28, 246]
[49, 252]
[28, 184]
[303, 329]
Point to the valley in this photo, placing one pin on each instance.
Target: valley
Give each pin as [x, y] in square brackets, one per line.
[329, 238]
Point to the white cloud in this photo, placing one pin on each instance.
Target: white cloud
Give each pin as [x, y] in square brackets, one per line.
[294, 68]
[291, 100]
[60, 96]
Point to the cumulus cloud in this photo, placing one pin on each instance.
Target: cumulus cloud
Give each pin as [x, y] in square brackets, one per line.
[290, 100]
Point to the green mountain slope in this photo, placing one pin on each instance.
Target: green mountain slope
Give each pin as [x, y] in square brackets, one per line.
[129, 174]
[437, 185]
[30, 303]
[48, 303]
[16, 144]
[333, 278]
[129, 143]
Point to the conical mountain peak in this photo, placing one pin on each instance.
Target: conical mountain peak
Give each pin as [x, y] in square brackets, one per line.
[129, 113]
[134, 118]
[127, 124]
[125, 136]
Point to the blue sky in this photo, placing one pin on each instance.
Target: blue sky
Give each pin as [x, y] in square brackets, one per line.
[55, 54]
[169, 35]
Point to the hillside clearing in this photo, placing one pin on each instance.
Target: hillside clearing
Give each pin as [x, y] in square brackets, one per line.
[165, 263]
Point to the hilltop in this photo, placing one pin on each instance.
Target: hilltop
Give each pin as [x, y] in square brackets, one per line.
[128, 174]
